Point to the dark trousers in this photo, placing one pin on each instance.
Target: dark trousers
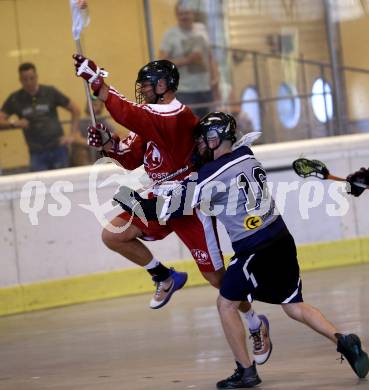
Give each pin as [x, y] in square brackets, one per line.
[54, 158]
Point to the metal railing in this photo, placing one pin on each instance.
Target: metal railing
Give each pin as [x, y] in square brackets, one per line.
[321, 70]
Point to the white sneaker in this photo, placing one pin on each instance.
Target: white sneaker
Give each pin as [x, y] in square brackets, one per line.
[166, 288]
[262, 345]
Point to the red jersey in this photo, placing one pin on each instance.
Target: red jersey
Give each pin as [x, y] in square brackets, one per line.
[164, 135]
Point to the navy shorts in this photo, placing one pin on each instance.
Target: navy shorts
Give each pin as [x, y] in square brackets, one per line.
[270, 273]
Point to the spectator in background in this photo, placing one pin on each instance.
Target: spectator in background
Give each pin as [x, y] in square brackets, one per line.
[187, 45]
[35, 105]
[82, 154]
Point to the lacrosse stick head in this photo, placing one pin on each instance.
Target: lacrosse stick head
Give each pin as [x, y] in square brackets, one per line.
[305, 168]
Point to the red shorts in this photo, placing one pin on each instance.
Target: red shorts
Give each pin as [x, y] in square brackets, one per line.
[198, 232]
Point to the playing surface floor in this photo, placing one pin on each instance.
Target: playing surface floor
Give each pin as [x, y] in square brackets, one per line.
[122, 344]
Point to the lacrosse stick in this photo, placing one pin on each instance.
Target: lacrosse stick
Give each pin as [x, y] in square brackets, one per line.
[80, 20]
[150, 186]
[247, 139]
[305, 168]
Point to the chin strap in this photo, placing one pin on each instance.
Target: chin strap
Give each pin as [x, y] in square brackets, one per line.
[160, 96]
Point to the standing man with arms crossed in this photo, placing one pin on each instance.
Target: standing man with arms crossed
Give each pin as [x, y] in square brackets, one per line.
[35, 106]
[163, 140]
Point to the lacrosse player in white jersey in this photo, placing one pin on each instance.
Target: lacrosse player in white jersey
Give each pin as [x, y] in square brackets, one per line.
[231, 184]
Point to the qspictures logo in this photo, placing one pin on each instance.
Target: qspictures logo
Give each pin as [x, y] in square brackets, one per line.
[36, 196]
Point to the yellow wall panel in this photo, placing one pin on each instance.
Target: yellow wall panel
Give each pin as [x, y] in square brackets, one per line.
[116, 38]
[163, 18]
[39, 31]
[13, 150]
[8, 49]
[355, 53]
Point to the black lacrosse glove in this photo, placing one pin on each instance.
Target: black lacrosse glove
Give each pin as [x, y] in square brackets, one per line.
[361, 176]
[131, 201]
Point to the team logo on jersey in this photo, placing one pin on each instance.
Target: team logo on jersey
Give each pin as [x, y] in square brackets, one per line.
[153, 159]
[201, 256]
[252, 222]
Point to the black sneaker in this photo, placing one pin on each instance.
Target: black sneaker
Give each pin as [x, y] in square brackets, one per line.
[243, 378]
[350, 347]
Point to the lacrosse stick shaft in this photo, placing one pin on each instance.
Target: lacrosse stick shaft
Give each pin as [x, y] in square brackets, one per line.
[164, 179]
[337, 178]
[87, 89]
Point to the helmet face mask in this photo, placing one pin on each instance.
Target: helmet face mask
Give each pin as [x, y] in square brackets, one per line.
[145, 92]
[212, 139]
[202, 153]
[150, 74]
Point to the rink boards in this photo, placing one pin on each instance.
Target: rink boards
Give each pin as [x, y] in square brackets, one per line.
[52, 254]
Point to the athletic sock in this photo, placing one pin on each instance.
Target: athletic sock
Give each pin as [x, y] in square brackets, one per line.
[157, 269]
[252, 319]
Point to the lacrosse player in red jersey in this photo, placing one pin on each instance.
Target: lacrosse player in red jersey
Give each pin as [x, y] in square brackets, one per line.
[158, 148]
[163, 140]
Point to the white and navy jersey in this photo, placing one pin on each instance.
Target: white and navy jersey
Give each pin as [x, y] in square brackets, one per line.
[234, 189]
